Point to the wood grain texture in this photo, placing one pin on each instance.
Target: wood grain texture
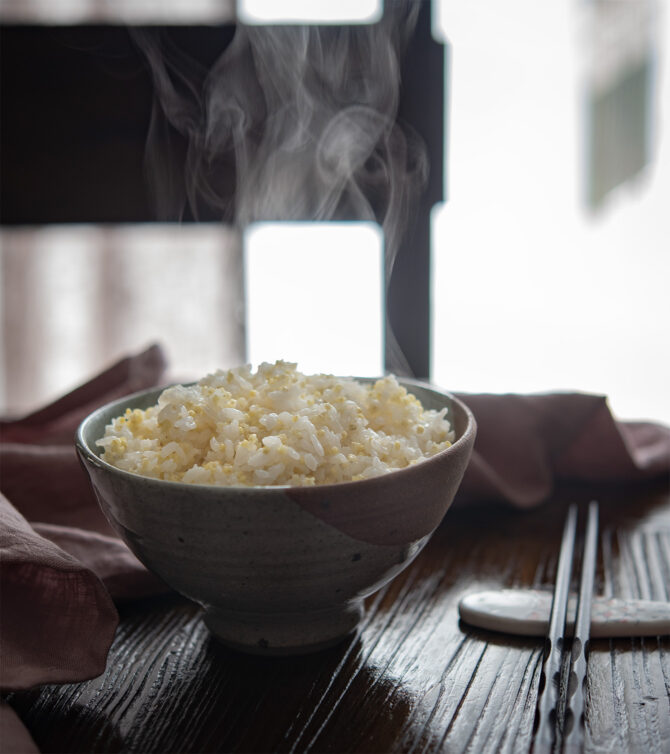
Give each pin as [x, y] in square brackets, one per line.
[412, 679]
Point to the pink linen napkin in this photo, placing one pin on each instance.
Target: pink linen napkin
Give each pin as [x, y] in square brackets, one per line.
[14, 738]
[51, 601]
[527, 444]
[63, 566]
[41, 474]
[61, 563]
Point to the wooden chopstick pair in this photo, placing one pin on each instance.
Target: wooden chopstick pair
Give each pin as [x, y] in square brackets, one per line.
[560, 706]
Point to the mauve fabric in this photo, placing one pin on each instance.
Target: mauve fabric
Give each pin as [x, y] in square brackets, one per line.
[63, 567]
[58, 620]
[526, 444]
[14, 738]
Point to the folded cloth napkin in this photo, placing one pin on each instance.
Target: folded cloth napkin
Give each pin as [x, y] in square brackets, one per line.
[526, 444]
[63, 566]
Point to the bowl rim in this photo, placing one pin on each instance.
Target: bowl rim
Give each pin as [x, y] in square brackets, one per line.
[90, 456]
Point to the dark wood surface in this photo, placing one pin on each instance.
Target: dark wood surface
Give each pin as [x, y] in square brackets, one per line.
[413, 679]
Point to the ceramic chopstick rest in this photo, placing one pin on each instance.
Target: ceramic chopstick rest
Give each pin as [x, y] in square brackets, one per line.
[525, 612]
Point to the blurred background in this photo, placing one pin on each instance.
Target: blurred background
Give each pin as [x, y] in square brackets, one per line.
[536, 258]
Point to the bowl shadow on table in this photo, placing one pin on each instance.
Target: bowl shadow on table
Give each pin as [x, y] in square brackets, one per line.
[190, 693]
[305, 697]
[309, 698]
[331, 700]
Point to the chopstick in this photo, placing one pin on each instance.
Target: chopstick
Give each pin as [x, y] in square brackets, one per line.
[563, 729]
[547, 709]
[573, 738]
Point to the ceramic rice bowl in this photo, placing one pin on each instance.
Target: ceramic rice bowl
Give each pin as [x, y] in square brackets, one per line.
[279, 570]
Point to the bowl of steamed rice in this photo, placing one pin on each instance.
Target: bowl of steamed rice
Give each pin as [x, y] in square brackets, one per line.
[278, 500]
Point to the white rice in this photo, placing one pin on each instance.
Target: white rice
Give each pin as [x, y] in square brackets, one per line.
[276, 427]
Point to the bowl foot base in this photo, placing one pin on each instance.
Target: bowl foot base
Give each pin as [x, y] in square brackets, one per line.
[283, 633]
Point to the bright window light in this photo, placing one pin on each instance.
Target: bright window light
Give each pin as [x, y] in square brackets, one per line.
[309, 11]
[557, 297]
[314, 295]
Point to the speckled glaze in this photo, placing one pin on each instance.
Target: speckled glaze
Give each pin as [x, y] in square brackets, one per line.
[279, 569]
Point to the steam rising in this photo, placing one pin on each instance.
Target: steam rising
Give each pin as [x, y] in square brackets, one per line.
[290, 123]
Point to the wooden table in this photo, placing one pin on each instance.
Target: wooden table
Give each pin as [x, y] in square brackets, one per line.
[413, 679]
